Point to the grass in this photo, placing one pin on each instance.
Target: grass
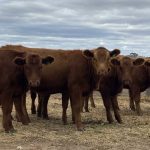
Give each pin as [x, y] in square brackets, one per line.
[133, 134]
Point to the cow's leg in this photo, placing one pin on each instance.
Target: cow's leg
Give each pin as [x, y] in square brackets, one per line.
[18, 118]
[115, 101]
[7, 104]
[76, 101]
[33, 97]
[65, 100]
[44, 106]
[137, 96]
[107, 103]
[92, 100]
[86, 103]
[82, 105]
[131, 98]
[72, 112]
[19, 111]
[115, 108]
[24, 107]
[39, 108]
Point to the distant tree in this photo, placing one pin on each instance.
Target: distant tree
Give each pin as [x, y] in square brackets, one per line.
[133, 54]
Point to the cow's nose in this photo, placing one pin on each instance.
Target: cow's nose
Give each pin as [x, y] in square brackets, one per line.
[34, 83]
[37, 82]
[30, 83]
[101, 72]
[126, 82]
[109, 69]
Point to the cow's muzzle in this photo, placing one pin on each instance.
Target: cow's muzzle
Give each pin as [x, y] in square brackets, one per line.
[34, 83]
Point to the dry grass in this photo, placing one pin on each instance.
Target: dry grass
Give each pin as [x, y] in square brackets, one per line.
[133, 134]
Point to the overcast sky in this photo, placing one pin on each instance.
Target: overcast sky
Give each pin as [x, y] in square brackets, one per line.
[72, 24]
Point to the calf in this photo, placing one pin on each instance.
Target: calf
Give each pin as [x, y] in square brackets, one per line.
[134, 78]
[18, 71]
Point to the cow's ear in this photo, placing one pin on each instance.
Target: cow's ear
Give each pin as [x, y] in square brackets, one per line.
[88, 53]
[115, 61]
[114, 53]
[138, 61]
[19, 61]
[147, 63]
[47, 60]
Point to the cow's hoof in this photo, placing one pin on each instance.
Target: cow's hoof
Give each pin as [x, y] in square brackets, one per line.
[132, 108]
[33, 112]
[120, 121]
[12, 118]
[87, 110]
[45, 118]
[39, 115]
[11, 131]
[65, 122]
[118, 108]
[111, 121]
[93, 106]
[25, 123]
[29, 121]
[80, 129]
[18, 119]
[139, 113]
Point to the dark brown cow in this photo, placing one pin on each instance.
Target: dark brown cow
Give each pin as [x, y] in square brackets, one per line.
[109, 86]
[18, 69]
[134, 78]
[75, 71]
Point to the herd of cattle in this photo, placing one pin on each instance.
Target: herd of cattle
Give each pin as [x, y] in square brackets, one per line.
[75, 74]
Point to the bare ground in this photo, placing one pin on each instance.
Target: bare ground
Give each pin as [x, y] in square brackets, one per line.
[133, 134]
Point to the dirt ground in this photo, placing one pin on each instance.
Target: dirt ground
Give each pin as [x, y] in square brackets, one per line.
[133, 134]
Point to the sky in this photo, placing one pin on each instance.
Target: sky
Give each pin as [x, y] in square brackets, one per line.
[77, 24]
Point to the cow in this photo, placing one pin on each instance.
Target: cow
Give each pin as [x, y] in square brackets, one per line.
[109, 85]
[19, 70]
[134, 77]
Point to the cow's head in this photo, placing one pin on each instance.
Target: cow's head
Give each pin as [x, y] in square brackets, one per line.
[101, 59]
[32, 64]
[126, 66]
